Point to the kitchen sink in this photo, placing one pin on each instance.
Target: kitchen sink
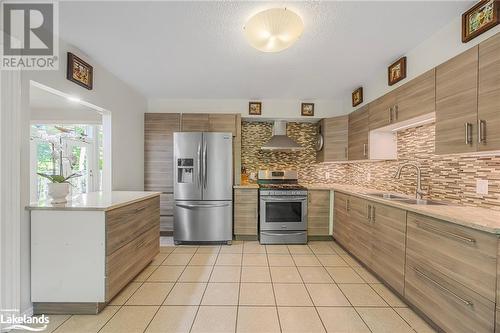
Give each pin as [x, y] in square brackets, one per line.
[388, 196]
[403, 199]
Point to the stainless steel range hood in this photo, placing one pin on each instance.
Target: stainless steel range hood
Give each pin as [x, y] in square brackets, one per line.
[280, 141]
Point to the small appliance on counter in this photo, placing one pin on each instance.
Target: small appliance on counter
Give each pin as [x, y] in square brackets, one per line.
[283, 208]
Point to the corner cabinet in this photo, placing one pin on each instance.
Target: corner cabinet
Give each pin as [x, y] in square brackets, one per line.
[318, 213]
[358, 134]
[335, 140]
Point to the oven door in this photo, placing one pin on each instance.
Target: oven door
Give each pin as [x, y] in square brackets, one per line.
[283, 212]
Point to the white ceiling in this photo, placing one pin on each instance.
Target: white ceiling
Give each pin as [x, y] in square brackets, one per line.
[197, 49]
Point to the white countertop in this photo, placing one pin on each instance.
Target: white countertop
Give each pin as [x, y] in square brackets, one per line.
[96, 201]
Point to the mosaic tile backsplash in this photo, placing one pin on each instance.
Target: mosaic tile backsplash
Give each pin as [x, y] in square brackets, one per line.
[449, 178]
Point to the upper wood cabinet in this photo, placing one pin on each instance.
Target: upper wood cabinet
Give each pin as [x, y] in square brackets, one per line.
[358, 134]
[209, 122]
[318, 213]
[158, 150]
[334, 131]
[382, 110]
[456, 103]
[489, 94]
[195, 122]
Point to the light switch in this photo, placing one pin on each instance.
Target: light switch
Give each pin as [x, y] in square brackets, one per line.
[482, 186]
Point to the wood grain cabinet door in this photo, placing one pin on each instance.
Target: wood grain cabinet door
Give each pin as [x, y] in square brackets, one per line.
[489, 94]
[341, 219]
[417, 97]
[361, 229]
[456, 104]
[222, 123]
[335, 139]
[388, 244]
[358, 134]
[195, 122]
[318, 213]
[382, 111]
[246, 211]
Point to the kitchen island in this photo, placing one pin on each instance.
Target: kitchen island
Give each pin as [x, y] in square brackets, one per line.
[84, 252]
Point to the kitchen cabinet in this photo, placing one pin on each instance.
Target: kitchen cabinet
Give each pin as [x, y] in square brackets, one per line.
[318, 213]
[489, 94]
[158, 161]
[246, 212]
[456, 103]
[358, 134]
[382, 111]
[335, 139]
[341, 220]
[209, 122]
[361, 229]
[195, 122]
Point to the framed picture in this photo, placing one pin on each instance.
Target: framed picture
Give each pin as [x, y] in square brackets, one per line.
[255, 108]
[397, 71]
[357, 96]
[79, 71]
[307, 109]
[480, 18]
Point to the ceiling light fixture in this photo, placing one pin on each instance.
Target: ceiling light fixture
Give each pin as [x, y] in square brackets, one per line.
[274, 30]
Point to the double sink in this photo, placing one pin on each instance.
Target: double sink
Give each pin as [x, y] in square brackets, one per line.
[406, 200]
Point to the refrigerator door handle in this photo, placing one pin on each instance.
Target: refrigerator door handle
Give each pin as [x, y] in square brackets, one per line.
[205, 165]
[202, 205]
[199, 164]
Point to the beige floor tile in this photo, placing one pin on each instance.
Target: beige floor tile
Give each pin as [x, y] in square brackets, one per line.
[256, 294]
[229, 259]
[337, 248]
[344, 275]
[305, 260]
[209, 249]
[196, 274]
[253, 247]
[367, 276]
[167, 249]
[186, 294]
[159, 259]
[215, 319]
[221, 294]
[203, 259]
[150, 294]
[299, 249]
[289, 294]
[277, 249]
[285, 275]
[333, 260]
[299, 320]
[173, 319]
[361, 295]
[257, 319]
[342, 320]
[226, 274]
[326, 295]
[145, 274]
[383, 320]
[125, 294]
[255, 259]
[87, 323]
[280, 260]
[166, 274]
[55, 321]
[185, 249]
[236, 247]
[321, 248]
[130, 319]
[255, 274]
[417, 323]
[315, 275]
[350, 260]
[177, 259]
[391, 298]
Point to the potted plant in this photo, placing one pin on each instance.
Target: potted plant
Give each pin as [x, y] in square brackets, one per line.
[58, 186]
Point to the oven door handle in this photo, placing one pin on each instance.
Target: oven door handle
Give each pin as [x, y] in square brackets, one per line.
[274, 233]
[290, 198]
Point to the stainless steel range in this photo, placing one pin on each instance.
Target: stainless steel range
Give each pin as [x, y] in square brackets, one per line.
[283, 208]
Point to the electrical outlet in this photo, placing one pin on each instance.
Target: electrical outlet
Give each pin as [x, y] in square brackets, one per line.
[327, 175]
[481, 186]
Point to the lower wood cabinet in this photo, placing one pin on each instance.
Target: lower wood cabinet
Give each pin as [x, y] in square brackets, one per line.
[341, 220]
[360, 229]
[318, 213]
[246, 214]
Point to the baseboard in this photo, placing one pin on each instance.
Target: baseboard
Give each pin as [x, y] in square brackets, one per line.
[166, 233]
[246, 237]
[320, 238]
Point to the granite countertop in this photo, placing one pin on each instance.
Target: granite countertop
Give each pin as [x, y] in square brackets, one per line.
[246, 186]
[96, 201]
[483, 219]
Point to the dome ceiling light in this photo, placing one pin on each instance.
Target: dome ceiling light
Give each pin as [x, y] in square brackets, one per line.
[274, 30]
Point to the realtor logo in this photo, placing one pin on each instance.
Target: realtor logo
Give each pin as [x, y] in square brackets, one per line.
[29, 35]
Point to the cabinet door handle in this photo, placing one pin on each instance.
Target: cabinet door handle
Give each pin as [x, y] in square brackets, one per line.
[481, 131]
[369, 213]
[443, 288]
[446, 233]
[373, 214]
[348, 205]
[396, 111]
[364, 149]
[468, 132]
[390, 115]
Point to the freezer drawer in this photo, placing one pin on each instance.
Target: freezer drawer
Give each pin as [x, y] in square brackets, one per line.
[203, 221]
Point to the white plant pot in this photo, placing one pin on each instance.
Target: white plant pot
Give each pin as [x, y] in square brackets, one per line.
[58, 192]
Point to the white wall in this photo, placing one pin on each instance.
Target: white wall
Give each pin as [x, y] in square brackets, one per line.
[441, 46]
[271, 108]
[127, 109]
[69, 115]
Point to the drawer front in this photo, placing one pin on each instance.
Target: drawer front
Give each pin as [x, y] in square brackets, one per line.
[465, 255]
[123, 265]
[451, 306]
[126, 223]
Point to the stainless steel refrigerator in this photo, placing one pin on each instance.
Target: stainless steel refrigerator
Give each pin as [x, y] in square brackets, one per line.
[203, 193]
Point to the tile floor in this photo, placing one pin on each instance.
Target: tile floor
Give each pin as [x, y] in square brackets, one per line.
[248, 287]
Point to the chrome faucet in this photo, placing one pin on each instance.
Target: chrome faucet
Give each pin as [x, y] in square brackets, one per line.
[419, 192]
